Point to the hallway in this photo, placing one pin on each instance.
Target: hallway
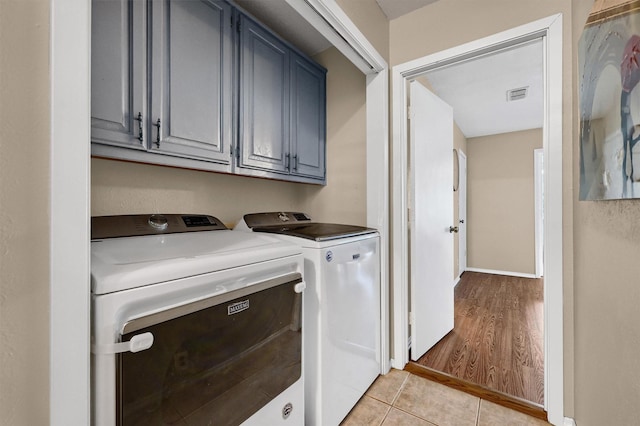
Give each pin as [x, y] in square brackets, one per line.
[497, 340]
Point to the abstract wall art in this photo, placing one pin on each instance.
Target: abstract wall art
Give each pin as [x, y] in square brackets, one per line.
[609, 73]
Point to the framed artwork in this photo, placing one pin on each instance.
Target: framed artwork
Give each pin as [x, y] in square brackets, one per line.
[609, 73]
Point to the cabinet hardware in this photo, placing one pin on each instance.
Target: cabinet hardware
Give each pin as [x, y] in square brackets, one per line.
[287, 161]
[158, 133]
[453, 229]
[139, 120]
[295, 162]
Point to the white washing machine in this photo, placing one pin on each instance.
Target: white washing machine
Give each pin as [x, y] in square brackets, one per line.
[341, 309]
[194, 324]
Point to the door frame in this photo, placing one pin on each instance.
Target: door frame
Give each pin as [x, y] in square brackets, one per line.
[462, 194]
[550, 30]
[538, 175]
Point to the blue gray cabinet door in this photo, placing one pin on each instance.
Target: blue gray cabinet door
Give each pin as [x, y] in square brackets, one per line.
[191, 81]
[118, 73]
[308, 118]
[264, 99]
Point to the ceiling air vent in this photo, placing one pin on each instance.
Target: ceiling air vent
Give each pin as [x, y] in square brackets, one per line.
[517, 94]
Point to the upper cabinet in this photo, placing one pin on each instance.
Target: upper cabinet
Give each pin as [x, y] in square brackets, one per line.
[118, 73]
[199, 84]
[264, 99]
[282, 115]
[308, 118]
[191, 81]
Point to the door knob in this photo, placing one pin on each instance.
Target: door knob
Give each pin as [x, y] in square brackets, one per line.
[453, 229]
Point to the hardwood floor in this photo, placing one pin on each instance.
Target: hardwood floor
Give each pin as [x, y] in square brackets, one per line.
[497, 341]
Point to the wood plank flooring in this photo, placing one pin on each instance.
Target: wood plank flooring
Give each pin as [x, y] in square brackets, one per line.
[497, 341]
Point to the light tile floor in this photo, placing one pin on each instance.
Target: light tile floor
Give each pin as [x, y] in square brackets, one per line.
[403, 399]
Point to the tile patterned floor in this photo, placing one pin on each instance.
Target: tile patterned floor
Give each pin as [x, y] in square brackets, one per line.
[403, 399]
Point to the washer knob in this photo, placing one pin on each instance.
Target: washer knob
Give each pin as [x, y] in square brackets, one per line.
[158, 221]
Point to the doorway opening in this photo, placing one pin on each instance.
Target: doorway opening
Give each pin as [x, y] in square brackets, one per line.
[549, 30]
[497, 340]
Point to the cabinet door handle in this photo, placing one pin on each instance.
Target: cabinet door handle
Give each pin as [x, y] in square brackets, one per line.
[139, 120]
[158, 133]
[287, 159]
[295, 162]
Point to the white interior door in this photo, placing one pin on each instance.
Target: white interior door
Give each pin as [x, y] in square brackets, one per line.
[431, 214]
[462, 213]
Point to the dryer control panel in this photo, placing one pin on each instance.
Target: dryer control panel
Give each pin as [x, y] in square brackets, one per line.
[151, 224]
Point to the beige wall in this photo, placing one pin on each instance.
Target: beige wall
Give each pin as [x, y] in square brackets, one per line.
[24, 212]
[607, 293]
[501, 200]
[371, 21]
[127, 188]
[344, 198]
[449, 23]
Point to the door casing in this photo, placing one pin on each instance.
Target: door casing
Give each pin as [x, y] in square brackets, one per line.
[462, 212]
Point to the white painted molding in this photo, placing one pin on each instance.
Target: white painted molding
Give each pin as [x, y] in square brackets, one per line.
[497, 272]
[568, 421]
[553, 229]
[550, 30]
[70, 79]
[538, 167]
[331, 21]
[378, 192]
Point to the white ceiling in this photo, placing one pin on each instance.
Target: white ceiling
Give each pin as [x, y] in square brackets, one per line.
[475, 89]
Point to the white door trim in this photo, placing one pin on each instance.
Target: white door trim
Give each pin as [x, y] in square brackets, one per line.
[70, 79]
[538, 167]
[462, 194]
[550, 29]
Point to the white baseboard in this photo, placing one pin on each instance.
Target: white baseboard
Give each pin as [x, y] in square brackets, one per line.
[568, 421]
[456, 281]
[508, 273]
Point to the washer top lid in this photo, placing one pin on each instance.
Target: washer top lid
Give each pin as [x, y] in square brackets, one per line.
[128, 262]
[317, 231]
[299, 225]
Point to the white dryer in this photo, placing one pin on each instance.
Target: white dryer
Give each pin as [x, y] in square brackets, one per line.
[341, 309]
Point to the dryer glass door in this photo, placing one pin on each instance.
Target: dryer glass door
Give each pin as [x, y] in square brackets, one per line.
[218, 364]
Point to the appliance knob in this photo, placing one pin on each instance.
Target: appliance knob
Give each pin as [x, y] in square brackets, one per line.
[158, 221]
